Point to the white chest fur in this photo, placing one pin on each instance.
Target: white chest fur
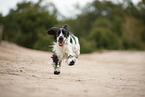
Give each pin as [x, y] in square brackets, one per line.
[67, 49]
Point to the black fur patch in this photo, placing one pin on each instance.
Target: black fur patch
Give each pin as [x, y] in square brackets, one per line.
[71, 40]
[55, 59]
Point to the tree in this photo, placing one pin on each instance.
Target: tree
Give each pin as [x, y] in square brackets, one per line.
[105, 25]
[24, 24]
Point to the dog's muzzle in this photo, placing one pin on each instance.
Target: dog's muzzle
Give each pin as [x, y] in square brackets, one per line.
[61, 41]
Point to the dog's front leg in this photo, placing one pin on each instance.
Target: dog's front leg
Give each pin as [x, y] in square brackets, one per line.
[71, 57]
[57, 63]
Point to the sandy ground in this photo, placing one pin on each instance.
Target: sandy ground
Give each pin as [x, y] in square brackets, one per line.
[26, 73]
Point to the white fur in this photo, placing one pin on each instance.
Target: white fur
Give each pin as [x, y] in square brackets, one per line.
[67, 49]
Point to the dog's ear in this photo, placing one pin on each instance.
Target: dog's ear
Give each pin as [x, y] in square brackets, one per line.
[65, 26]
[52, 31]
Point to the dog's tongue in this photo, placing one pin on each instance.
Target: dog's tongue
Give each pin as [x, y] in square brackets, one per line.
[60, 43]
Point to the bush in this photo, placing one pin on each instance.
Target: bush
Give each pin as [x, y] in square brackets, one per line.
[105, 39]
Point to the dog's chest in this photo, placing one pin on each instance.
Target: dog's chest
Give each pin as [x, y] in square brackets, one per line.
[61, 51]
[67, 49]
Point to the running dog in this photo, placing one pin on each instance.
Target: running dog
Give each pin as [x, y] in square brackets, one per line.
[66, 46]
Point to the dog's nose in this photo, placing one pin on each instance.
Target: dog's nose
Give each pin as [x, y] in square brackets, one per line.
[60, 38]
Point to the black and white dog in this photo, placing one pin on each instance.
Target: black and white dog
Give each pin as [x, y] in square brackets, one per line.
[66, 46]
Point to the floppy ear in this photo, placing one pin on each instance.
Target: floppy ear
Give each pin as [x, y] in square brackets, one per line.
[52, 31]
[65, 26]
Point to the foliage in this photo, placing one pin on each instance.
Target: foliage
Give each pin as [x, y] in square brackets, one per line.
[27, 25]
[101, 25]
[110, 26]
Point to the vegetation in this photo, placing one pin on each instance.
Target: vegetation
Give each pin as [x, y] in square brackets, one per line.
[101, 25]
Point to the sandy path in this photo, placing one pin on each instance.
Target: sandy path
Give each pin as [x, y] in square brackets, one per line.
[26, 73]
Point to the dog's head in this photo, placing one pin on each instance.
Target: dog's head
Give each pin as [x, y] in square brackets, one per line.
[60, 34]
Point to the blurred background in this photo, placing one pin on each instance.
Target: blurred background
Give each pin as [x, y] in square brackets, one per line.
[99, 24]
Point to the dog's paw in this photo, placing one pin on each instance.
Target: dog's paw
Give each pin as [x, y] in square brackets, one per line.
[71, 63]
[71, 60]
[56, 72]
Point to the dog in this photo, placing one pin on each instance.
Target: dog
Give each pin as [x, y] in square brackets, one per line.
[66, 46]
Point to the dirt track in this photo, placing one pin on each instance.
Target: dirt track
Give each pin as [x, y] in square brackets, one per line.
[26, 73]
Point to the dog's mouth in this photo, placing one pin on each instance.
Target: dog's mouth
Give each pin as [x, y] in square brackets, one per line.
[61, 43]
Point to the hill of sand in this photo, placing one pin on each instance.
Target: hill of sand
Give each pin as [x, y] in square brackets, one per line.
[26, 73]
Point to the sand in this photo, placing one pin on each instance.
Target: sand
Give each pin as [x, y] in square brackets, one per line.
[26, 73]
